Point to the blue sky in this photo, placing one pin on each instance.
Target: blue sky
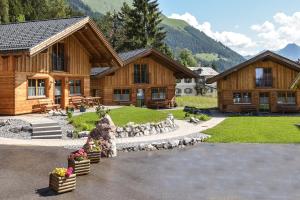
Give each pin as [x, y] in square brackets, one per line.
[246, 26]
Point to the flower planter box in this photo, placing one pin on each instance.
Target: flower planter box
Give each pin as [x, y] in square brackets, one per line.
[80, 167]
[62, 184]
[94, 157]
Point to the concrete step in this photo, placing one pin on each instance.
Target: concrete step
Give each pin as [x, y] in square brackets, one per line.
[47, 137]
[51, 132]
[43, 124]
[46, 128]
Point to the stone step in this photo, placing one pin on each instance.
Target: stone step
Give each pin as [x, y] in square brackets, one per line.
[47, 137]
[44, 133]
[43, 124]
[46, 128]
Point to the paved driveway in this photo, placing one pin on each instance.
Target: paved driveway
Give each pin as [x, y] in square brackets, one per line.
[206, 171]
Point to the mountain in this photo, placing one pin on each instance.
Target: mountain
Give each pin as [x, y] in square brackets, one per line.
[291, 51]
[179, 35]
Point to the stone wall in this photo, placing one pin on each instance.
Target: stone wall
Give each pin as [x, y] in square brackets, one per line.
[138, 130]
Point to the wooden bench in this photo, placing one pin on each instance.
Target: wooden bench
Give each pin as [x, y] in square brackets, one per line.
[160, 104]
[248, 108]
[46, 105]
[76, 102]
[287, 108]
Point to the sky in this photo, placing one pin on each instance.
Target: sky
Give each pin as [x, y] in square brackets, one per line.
[246, 26]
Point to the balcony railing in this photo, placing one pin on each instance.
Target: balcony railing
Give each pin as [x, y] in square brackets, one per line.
[264, 83]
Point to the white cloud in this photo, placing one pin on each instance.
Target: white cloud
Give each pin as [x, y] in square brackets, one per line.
[283, 30]
[237, 41]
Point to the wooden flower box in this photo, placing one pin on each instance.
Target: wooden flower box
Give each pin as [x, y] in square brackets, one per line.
[94, 157]
[80, 167]
[62, 184]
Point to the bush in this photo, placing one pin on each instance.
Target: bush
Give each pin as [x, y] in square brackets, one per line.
[203, 117]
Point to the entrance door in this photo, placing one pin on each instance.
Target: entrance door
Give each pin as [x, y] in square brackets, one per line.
[140, 98]
[264, 102]
[58, 92]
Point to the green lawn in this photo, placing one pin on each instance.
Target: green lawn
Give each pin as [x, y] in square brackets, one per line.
[120, 117]
[197, 101]
[256, 130]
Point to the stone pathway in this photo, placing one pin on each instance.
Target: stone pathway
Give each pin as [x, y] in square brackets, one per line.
[184, 130]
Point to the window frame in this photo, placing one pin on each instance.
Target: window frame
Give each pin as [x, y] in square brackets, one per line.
[158, 92]
[190, 89]
[59, 57]
[141, 74]
[242, 96]
[286, 97]
[36, 88]
[267, 77]
[188, 80]
[75, 87]
[122, 93]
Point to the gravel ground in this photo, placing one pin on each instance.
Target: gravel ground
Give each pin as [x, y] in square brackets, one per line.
[64, 124]
[12, 123]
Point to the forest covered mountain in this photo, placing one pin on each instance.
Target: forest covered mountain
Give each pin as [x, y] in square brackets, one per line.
[179, 35]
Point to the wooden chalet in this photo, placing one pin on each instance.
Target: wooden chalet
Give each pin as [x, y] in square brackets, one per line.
[266, 83]
[148, 78]
[49, 61]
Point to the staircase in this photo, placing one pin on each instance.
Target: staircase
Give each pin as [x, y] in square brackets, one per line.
[46, 130]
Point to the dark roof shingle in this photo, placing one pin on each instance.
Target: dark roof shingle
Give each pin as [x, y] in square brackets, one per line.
[130, 54]
[25, 35]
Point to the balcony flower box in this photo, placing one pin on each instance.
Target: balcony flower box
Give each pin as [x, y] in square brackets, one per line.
[61, 183]
[79, 161]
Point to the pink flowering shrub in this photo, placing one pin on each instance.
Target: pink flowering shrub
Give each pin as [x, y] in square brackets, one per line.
[78, 155]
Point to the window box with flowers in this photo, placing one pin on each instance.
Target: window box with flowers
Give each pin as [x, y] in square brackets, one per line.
[79, 161]
[62, 180]
[93, 149]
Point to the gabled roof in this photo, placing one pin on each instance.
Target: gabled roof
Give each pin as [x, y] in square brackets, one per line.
[267, 55]
[179, 70]
[205, 71]
[34, 36]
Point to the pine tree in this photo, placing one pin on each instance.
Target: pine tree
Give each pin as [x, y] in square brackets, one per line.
[16, 11]
[4, 11]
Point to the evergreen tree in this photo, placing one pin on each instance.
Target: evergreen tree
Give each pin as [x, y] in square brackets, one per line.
[16, 11]
[187, 58]
[4, 11]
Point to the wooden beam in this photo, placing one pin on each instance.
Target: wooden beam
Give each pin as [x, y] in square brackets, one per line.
[88, 43]
[81, 45]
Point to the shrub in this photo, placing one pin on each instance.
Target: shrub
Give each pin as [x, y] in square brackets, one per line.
[203, 117]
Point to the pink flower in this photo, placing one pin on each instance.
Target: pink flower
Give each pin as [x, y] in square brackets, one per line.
[69, 172]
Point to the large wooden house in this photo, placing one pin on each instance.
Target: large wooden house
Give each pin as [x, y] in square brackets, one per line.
[49, 60]
[148, 78]
[266, 83]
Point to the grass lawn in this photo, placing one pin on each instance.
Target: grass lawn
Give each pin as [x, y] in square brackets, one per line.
[120, 117]
[197, 101]
[256, 130]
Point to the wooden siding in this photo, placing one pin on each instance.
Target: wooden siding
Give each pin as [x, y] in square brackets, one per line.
[159, 76]
[16, 69]
[243, 80]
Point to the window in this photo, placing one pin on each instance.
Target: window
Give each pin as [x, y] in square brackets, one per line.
[36, 88]
[187, 80]
[58, 57]
[122, 95]
[286, 98]
[75, 87]
[242, 97]
[263, 77]
[178, 91]
[178, 80]
[158, 93]
[188, 90]
[141, 74]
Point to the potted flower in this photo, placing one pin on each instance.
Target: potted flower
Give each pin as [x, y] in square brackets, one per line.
[83, 107]
[79, 161]
[93, 149]
[62, 180]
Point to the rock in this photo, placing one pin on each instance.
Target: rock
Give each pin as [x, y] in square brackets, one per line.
[15, 129]
[119, 129]
[27, 129]
[194, 120]
[187, 141]
[173, 143]
[142, 147]
[83, 134]
[3, 123]
[150, 147]
[70, 134]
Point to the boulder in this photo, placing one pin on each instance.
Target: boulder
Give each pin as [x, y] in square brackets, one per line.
[27, 129]
[15, 129]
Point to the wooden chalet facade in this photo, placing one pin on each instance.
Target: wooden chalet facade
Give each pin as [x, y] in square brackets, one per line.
[266, 83]
[148, 78]
[49, 60]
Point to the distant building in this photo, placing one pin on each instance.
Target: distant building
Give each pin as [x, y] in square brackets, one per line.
[194, 87]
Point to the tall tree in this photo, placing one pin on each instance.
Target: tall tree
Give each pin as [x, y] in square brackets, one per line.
[4, 11]
[187, 58]
[16, 11]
